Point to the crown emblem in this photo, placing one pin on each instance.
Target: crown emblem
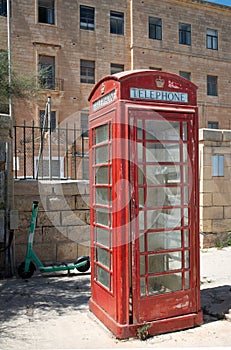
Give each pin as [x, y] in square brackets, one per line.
[159, 82]
[102, 89]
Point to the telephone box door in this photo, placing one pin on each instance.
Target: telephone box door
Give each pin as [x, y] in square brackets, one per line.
[163, 223]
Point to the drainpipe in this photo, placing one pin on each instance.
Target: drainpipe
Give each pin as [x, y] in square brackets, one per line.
[131, 34]
[9, 52]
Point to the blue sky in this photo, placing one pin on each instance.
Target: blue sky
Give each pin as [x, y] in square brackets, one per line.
[223, 2]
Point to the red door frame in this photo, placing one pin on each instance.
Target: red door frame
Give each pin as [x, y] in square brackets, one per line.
[173, 304]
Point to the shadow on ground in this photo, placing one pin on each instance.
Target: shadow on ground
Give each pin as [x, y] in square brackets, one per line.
[215, 303]
[42, 296]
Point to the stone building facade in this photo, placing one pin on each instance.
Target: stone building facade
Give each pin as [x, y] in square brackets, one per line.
[79, 42]
[215, 191]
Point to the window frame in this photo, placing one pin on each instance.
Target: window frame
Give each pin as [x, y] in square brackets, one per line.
[3, 8]
[116, 22]
[87, 66]
[155, 28]
[212, 39]
[84, 124]
[47, 82]
[218, 165]
[116, 68]
[48, 11]
[185, 34]
[212, 85]
[186, 75]
[213, 125]
[87, 22]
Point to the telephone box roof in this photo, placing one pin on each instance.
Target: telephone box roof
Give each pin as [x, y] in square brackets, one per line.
[122, 76]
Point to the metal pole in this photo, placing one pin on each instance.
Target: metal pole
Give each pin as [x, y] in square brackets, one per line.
[9, 53]
[49, 135]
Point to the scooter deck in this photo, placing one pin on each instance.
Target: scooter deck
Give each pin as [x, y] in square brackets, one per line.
[62, 267]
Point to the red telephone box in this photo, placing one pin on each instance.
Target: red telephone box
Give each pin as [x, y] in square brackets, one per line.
[144, 203]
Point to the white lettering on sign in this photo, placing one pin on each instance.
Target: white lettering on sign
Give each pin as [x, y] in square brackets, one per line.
[158, 95]
[105, 100]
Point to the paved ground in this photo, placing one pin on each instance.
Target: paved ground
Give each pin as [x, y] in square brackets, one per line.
[52, 312]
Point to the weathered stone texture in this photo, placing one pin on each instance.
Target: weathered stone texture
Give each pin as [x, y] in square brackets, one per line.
[62, 231]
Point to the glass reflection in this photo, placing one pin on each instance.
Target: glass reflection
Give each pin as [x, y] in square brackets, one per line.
[164, 240]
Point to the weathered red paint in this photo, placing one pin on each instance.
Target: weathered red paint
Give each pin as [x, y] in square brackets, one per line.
[123, 270]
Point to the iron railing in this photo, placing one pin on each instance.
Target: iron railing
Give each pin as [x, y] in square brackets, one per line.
[54, 154]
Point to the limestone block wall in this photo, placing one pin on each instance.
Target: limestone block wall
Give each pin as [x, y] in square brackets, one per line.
[215, 191]
[62, 232]
[6, 193]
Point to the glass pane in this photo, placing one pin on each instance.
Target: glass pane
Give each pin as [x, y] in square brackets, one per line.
[141, 197]
[157, 152]
[103, 257]
[185, 132]
[103, 276]
[101, 155]
[103, 237]
[163, 196]
[163, 218]
[164, 262]
[139, 130]
[102, 195]
[165, 283]
[164, 240]
[102, 133]
[141, 220]
[102, 217]
[101, 176]
[186, 238]
[186, 259]
[186, 216]
[172, 174]
[141, 241]
[142, 287]
[140, 152]
[162, 130]
[187, 280]
[142, 265]
[186, 195]
[185, 174]
[185, 153]
[141, 177]
[163, 174]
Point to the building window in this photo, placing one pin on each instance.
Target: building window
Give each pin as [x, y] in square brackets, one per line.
[116, 68]
[211, 85]
[84, 124]
[218, 165]
[87, 72]
[155, 68]
[155, 28]
[116, 22]
[87, 17]
[46, 11]
[185, 75]
[47, 72]
[185, 34]
[212, 39]
[57, 167]
[213, 125]
[43, 119]
[3, 8]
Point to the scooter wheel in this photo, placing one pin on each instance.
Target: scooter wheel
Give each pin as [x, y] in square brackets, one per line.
[27, 274]
[84, 267]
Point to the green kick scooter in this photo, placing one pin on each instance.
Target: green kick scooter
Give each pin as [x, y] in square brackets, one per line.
[27, 267]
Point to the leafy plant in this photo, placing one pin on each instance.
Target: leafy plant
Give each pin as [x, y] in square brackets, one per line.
[21, 85]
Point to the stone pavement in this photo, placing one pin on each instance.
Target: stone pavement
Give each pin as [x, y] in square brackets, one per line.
[51, 312]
